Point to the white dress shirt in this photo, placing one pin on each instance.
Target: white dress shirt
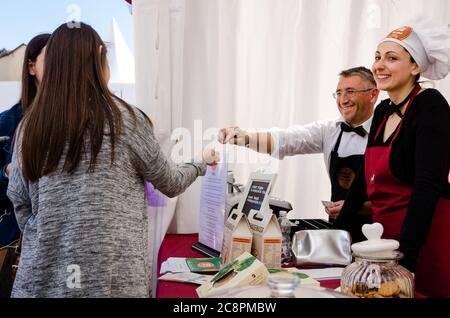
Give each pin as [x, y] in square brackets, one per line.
[318, 137]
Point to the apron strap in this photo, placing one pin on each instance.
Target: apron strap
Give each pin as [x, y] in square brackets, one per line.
[416, 91]
[338, 142]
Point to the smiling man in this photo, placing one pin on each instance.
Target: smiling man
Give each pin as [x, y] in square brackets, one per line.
[343, 140]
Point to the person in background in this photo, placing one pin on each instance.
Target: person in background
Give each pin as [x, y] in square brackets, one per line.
[342, 141]
[9, 120]
[407, 158]
[77, 183]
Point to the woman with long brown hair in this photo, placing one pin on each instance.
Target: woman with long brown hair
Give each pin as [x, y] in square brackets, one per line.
[32, 73]
[78, 179]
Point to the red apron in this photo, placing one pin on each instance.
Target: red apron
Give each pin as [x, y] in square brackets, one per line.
[390, 198]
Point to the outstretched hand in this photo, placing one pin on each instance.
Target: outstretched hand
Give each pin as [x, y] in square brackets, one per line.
[211, 157]
[233, 135]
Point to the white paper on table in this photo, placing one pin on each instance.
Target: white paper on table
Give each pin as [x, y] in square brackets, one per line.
[212, 205]
[174, 265]
[192, 278]
[324, 273]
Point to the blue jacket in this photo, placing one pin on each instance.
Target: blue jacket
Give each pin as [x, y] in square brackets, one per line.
[9, 120]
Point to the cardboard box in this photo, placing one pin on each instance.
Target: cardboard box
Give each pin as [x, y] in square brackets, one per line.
[246, 270]
[267, 237]
[237, 237]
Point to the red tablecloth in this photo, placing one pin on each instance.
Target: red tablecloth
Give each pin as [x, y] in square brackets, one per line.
[179, 245]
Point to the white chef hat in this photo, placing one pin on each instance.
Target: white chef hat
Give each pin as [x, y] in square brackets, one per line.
[429, 45]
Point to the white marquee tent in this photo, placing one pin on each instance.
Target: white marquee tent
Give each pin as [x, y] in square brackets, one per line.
[120, 57]
[121, 64]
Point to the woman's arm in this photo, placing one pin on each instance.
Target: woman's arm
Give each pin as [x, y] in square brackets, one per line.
[432, 142]
[18, 191]
[150, 161]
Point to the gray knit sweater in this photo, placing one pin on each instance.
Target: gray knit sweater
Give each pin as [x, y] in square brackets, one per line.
[85, 234]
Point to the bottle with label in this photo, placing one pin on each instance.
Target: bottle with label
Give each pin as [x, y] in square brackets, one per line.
[285, 225]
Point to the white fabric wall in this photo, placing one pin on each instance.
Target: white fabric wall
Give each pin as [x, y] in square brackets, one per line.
[154, 95]
[259, 63]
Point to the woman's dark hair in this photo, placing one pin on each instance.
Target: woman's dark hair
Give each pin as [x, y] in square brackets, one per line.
[29, 89]
[72, 106]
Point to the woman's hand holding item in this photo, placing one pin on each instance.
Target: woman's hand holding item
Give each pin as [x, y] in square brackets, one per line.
[211, 157]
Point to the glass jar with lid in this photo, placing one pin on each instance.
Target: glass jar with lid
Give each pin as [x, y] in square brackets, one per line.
[376, 272]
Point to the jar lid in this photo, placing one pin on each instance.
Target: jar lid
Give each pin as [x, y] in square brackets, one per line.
[375, 246]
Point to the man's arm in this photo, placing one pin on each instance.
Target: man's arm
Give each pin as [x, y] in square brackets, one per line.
[259, 141]
[295, 140]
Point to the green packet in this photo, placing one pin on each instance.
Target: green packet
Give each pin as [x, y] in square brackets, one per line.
[304, 278]
[294, 272]
[204, 264]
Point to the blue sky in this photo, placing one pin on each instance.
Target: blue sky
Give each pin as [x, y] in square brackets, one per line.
[20, 20]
